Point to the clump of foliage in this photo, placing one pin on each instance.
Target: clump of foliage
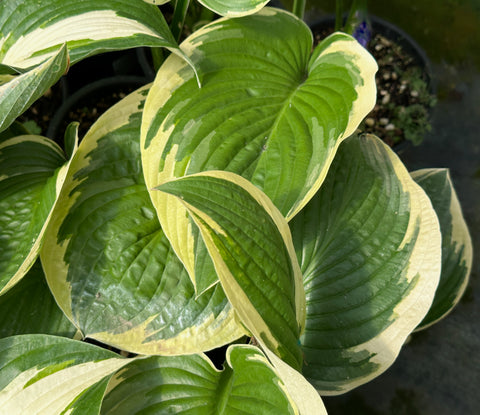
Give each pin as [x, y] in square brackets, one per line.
[229, 203]
[404, 95]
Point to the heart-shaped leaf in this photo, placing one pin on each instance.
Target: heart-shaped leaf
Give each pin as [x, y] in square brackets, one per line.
[457, 251]
[42, 374]
[369, 246]
[267, 110]
[248, 384]
[107, 260]
[250, 244]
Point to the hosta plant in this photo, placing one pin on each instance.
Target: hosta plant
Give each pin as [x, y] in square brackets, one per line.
[229, 206]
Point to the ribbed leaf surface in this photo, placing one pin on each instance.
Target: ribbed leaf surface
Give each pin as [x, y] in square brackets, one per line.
[369, 248]
[250, 245]
[29, 177]
[457, 251]
[191, 385]
[107, 261]
[42, 374]
[268, 110]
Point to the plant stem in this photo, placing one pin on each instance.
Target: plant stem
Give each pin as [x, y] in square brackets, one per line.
[299, 8]
[351, 13]
[358, 6]
[203, 17]
[176, 27]
[338, 15]
[157, 57]
[178, 19]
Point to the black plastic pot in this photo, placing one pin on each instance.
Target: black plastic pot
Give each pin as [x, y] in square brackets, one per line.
[144, 58]
[105, 65]
[392, 33]
[416, 56]
[91, 81]
[87, 96]
[409, 44]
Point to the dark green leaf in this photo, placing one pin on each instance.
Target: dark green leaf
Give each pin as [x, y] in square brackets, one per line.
[369, 248]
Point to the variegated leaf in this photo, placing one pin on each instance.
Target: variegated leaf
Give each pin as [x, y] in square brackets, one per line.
[90, 401]
[107, 261]
[457, 251]
[33, 32]
[156, 2]
[369, 246]
[19, 92]
[29, 187]
[248, 384]
[267, 110]
[42, 374]
[250, 244]
[305, 396]
[234, 8]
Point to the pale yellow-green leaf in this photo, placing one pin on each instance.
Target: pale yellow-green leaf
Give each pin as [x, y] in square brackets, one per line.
[302, 393]
[276, 121]
[43, 375]
[279, 221]
[185, 342]
[52, 394]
